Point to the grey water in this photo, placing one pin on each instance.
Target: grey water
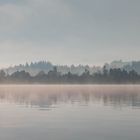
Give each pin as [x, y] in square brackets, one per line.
[70, 112]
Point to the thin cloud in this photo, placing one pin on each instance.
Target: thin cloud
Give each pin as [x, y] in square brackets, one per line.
[94, 30]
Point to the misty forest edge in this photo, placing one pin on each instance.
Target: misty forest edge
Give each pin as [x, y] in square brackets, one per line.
[104, 76]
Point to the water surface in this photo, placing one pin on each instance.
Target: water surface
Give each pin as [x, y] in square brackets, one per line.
[70, 112]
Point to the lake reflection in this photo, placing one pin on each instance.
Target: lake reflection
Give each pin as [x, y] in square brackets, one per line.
[69, 112]
[47, 96]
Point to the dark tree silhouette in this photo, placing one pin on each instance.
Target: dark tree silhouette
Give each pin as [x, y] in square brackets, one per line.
[105, 76]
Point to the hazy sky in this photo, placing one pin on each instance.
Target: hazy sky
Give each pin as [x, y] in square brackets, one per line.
[69, 31]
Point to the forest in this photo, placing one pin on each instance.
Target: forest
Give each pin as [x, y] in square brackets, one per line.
[111, 76]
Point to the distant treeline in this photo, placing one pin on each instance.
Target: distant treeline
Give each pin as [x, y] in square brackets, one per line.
[114, 76]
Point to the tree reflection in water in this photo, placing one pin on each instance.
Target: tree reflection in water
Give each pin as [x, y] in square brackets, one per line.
[46, 96]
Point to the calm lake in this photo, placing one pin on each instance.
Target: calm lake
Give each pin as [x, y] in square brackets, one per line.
[70, 112]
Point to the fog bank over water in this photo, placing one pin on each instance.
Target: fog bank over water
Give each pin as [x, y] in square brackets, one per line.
[69, 112]
[47, 96]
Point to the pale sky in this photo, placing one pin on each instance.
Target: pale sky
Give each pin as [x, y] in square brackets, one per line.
[69, 31]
